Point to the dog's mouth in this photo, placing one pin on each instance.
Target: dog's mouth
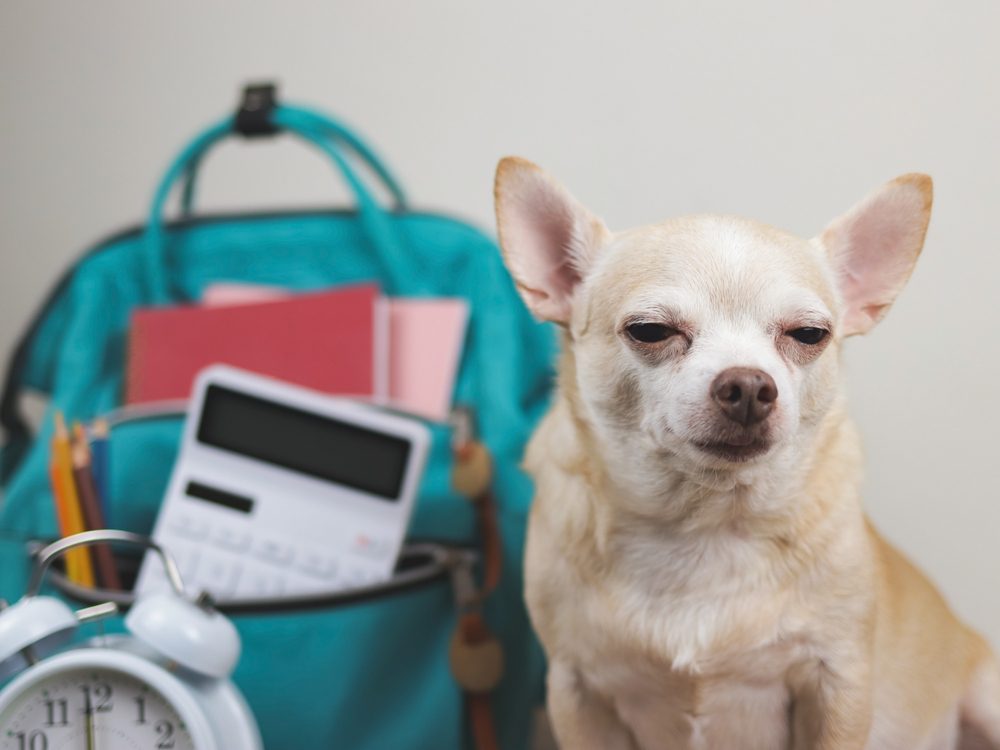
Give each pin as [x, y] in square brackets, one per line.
[736, 450]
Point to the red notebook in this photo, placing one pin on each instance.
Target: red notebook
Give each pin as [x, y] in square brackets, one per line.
[333, 341]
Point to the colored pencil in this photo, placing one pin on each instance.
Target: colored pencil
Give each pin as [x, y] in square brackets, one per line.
[100, 466]
[63, 460]
[62, 517]
[107, 573]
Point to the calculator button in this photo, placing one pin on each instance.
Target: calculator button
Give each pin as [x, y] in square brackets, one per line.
[187, 558]
[254, 583]
[189, 527]
[369, 546]
[318, 565]
[275, 552]
[258, 582]
[231, 539]
[219, 577]
[361, 542]
[370, 577]
[355, 578]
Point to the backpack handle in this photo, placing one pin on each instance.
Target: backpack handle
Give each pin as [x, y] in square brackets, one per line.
[331, 129]
[395, 266]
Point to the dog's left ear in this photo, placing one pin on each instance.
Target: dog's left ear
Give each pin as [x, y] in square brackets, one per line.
[874, 247]
[548, 238]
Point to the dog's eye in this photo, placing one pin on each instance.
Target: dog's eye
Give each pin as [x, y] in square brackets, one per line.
[649, 333]
[809, 336]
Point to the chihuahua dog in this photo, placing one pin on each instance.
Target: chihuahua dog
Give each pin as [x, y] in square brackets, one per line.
[699, 567]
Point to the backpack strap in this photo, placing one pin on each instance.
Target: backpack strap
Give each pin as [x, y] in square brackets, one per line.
[18, 436]
[396, 267]
[255, 119]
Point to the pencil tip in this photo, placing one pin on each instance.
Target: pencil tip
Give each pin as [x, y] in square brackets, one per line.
[78, 455]
[80, 443]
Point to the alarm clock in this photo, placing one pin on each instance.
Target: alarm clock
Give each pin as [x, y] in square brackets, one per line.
[163, 685]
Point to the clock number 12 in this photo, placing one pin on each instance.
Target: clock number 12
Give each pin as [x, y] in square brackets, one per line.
[97, 698]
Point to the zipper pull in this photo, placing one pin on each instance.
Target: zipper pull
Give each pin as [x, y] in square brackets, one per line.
[472, 469]
[475, 655]
[463, 584]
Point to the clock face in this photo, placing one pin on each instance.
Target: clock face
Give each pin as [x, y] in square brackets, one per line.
[92, 709]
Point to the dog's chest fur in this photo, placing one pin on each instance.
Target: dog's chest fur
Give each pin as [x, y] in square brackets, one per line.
[691, 638]
[663, 707]
[714, 665]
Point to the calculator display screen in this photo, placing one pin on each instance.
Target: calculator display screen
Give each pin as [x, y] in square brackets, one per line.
[303, 441]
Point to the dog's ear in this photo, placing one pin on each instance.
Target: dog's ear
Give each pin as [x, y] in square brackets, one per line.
[548, 239]
[874, 246]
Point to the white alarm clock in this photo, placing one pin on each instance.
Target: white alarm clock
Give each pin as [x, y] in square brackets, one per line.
[165, 686]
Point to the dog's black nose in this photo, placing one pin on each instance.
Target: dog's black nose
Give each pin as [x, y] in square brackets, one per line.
[745, 395]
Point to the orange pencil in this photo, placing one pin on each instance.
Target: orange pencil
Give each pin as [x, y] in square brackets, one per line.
[93, 518]
[62, 516]
[63, 462]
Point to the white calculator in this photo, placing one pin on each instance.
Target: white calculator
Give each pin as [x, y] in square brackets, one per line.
[283, 491]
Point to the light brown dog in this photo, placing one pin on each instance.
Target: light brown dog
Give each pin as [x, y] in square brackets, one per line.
[699, 567]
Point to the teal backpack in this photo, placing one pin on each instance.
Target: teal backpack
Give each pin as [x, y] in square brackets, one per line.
[365, 672]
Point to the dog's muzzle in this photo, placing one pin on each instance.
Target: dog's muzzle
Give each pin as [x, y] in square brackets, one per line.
[744, 398]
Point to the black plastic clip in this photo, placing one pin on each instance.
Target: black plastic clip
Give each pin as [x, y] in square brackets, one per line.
[253, 119]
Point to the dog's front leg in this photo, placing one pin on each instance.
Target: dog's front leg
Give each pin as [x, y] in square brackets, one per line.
[581, 719]
[831, 709]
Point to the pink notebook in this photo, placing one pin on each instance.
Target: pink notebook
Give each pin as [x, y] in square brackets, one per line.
[426, 338]
[335, 341]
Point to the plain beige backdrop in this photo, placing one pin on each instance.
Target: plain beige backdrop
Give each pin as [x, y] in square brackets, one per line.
[788, 112]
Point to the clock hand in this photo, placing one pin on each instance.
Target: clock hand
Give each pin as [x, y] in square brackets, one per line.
[91, 744]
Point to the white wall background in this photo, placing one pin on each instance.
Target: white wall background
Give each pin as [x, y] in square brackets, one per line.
[787, 112]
